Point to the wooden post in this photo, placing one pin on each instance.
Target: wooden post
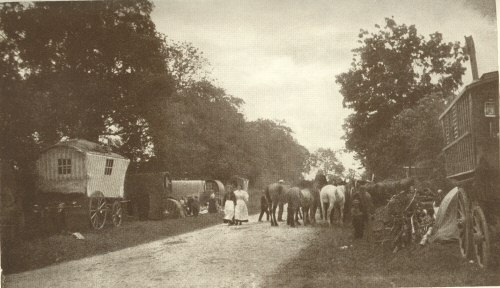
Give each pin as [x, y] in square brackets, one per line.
[471, 51]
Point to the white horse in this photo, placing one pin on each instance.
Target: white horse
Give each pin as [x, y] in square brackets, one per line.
[334, 196]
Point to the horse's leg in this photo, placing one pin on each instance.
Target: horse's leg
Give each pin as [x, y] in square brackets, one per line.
[290, 215]
[281, 207]
[330, 213]
[288, 211]
[275, 205]
[272, 214]
[297, 213]
[305, 214]
[312, 212]
[320, 207]
[341, 216]
[325, 210]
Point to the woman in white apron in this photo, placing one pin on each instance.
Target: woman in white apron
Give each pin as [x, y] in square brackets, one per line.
[241, 210]
[229, 203]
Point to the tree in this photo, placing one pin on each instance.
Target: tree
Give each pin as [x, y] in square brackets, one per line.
[272, 152]
[392, 70]
[77, 77]
[199, 131]
[327, 161]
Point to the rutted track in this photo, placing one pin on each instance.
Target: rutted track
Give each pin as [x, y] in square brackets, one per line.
[219, 256]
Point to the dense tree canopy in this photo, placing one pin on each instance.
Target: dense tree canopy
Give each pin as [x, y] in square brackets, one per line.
[272, 152]
[78, 76]
[393, 70]
[100, 71]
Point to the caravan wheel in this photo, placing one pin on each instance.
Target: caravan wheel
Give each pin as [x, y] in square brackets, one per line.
[481, 237]
[117, 213]
[98, 210]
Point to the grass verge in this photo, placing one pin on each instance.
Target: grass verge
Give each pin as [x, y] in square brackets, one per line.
[324, 264]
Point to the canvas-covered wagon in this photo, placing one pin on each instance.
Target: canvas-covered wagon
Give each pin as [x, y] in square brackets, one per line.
[155, 195]
[199, 188]
[85, 176]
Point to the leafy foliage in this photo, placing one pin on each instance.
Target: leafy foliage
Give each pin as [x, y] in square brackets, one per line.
[327, 161]
[392, 71]
[272, 152]
[77, 75]
[100, 70]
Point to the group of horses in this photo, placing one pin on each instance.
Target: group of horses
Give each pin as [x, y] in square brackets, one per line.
[308, 197]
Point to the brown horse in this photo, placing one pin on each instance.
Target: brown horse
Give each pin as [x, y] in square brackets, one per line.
[275, 194]
[316, 202]
[292, 198]
[306, 200]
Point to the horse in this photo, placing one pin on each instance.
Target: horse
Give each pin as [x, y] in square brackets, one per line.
[334, 196]
[275, 194]
[316, 202]
[306, 200]
[292, 198]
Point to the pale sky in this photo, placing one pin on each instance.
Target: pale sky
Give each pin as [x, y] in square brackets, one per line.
[281, 57]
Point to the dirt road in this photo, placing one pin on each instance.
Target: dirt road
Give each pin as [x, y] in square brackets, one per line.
[219, 256]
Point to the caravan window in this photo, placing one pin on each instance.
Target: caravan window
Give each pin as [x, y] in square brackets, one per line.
[109, 167]
[64, 166]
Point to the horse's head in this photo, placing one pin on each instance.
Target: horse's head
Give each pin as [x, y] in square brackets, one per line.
[305, 184]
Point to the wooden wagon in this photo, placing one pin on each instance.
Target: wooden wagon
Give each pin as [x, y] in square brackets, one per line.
[81, 174]
[470, 128]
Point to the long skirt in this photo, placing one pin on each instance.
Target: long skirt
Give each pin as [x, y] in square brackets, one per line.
[228, 211]
[241, 211]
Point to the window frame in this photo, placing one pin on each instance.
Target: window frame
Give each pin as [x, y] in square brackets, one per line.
[64, 166]
[108, 167]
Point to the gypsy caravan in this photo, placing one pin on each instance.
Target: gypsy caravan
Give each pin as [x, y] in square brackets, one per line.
[81, 174]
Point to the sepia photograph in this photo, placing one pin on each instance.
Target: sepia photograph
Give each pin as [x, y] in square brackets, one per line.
[249, 143]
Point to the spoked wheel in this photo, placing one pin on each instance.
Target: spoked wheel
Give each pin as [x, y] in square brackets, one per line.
[172, 208]
[463, 223]
[98, 210]
[117, 213]
[481, 237]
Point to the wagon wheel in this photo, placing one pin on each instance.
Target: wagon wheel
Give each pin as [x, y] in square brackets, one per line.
[463, 223]
[172, 208]
[481, 237]
[117, 213]
[98, 210]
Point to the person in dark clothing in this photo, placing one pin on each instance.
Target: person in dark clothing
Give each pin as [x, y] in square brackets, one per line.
[362, 214]
[189, 205]
[264, 208]
[358, 222]
[212, 204]
[195, 206]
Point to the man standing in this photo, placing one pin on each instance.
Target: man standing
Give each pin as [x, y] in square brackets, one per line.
[362, 213]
